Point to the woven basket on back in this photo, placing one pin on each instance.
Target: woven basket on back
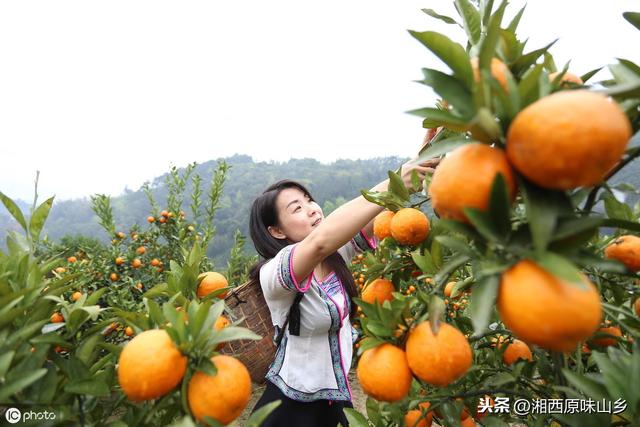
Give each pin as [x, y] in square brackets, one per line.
[248, 301]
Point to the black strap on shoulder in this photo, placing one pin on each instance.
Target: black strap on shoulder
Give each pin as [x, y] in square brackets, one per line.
[293, 319]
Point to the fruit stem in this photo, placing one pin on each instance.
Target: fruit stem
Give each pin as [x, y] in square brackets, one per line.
[591, 198]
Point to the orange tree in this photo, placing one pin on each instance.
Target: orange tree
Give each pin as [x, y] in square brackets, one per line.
[55, 354]
[520, 302]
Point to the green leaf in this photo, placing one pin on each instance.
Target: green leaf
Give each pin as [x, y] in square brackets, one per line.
[440, 148]
[437, 309]
[5, 362]
[483, 224]
[470, 19]
[157, 291]
[616, 209]
[561, 267]
[490, 41]
[435, 117]
[456, 244]
[513, 25]
[14, 210]
[590, 387]
[543, 208]
[622, 224]
[443, 18]
[378, 329]
[574, 226]
[449, 52]
[482, 301]
[91, 387]
[451, 90]
[9, 389]
[633, 18]
[587, 76]
[613, 375]
[486, 7]
[256, 418]
[95, 296]
[527, 60]
[397, 187]
[424, 262]
[38, 218]
[625, 90]
[86, 348]
[355, 418]
[529, 86]
[500, 206]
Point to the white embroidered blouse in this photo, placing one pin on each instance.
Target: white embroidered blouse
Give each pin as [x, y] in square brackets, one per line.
[315, 364]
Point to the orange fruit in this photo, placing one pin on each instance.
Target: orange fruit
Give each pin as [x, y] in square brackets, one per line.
[150, 365]
[438, 359]
[164, 214]
[136, 263]
[119, 260]
[467, 422]
[552, 144]
[76, 296]
[379, 290]
[382, 224]
[625, 249]
[141, 250]
[464, 179]
[607, 341]
[448, 290]
[56, 318]
[139, 285]
[113, 277]
[155, 262]
[414, 417]
[499, 71]
[120, 234]
[128, 331]
[221, 323]
[222, 396]
[61, 270]
[383, 373]
[162, 220]
[72, 259]
[516, 350]
[568, 77]
[636, 307]
[212, 281]
[563, 314]
[151, 219]
[409, 226]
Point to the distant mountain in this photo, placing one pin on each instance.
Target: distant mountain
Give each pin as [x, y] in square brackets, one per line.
[331, 185]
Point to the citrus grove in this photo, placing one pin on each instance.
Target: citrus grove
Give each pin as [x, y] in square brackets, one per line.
[509, 274]
[513, 275]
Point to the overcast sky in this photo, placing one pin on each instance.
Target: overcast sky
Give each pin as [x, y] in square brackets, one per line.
[99, 96]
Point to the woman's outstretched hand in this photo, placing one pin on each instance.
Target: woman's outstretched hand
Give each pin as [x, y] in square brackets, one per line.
[422, 169]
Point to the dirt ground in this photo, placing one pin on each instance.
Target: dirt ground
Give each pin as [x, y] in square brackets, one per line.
[359, 399]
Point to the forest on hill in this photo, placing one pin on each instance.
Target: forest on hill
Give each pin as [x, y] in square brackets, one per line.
[331, 185]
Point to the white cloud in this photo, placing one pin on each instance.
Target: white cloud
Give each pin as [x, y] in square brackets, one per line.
[103, 95]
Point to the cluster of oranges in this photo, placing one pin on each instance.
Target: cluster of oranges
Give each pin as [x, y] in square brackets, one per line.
[408, 226]
[164, 217]
[222, 396]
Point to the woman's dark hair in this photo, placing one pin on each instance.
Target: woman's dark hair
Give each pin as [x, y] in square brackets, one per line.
[264, 213]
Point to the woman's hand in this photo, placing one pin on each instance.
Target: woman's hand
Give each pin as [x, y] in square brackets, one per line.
[422, 169]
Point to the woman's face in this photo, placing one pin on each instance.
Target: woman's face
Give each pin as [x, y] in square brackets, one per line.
[297, 215]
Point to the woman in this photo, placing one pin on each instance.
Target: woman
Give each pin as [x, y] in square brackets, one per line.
[309, 289]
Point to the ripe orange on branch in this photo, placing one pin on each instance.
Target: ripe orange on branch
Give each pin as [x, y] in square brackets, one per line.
[211, 281]
[222, 396]
[382, 225]
[516, 350]
[568, 139]
[608, 341]
[409, 226]
[379, 290]
[464, 179]
[383, 373]
[150, 365]
[567, 77]
[438, 359]
[414, 417]
[625, 249]
[563, 315]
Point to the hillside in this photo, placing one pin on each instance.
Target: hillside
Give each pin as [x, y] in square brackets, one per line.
[331, 184]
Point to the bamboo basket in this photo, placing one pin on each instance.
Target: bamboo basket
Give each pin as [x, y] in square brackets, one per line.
[247, 300]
